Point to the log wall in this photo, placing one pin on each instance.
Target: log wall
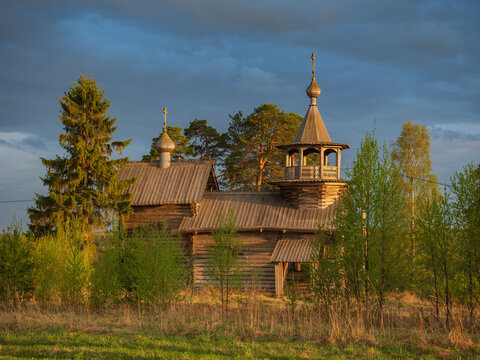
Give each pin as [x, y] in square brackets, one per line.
[171, 214]
[257, 247]
[311, 196]
[144, 215]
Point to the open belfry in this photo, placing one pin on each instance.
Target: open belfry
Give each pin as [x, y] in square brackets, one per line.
[275, 227]
[312, 160]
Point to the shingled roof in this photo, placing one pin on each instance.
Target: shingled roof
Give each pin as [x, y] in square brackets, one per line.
[181, 183]
[254, 211]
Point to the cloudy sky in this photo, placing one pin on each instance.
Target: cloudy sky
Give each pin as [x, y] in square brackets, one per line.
[389, 61]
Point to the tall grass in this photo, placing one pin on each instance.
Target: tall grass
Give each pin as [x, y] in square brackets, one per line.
[405, 320]
[124, 282]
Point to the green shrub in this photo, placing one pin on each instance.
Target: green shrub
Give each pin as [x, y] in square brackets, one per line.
[149, 265]
[63, 265]
[109, 283]
[77, 267]
[159, 271]
[49, 255]
[16, 264]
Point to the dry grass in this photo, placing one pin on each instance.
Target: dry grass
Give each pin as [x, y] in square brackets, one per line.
[406, 321]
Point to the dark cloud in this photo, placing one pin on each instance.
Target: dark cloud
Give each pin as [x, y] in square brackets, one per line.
[386, 60]
[22, 141]
[456, 132]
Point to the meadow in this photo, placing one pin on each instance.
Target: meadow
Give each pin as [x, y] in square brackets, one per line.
[255, 327]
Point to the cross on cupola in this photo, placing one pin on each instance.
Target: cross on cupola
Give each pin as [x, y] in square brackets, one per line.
[312, 159]
[164, 144]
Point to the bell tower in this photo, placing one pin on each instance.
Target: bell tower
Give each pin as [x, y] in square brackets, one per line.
[312, 160]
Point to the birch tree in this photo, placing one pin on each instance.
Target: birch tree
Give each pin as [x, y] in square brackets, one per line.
[412, 154]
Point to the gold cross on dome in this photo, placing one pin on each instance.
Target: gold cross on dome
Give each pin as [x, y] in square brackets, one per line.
[313, 64]
[165, 119]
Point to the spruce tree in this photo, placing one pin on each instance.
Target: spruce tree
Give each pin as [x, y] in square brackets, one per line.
[83, 184]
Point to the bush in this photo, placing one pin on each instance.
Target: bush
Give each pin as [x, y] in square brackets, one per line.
[109, 277]
[77, 267]
[149, 265]
[49, 261]
[159, 271]
[16, 264]
[63, 265]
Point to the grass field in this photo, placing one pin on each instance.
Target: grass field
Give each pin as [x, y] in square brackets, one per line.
[255, 328]
[63, 344]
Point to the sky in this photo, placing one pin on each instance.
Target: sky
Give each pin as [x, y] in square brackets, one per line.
[379, 63]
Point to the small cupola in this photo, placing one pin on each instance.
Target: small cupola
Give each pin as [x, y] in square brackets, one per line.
[164, 145]
[312, 159]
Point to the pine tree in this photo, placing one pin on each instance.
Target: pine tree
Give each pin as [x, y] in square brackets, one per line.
[252, 159]
[83, 184]
[206, 142]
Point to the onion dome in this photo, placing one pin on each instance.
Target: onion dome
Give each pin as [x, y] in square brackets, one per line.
[165, 144]
[313, 90]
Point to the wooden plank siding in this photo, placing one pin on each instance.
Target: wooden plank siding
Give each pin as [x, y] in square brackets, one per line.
[311, 195]
[254, 258]
[171, 214]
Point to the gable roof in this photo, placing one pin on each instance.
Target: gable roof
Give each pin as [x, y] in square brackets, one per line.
[256, 210]
[181, 183]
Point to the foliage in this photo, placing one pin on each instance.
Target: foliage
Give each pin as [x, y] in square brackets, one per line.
[223, 266]
[108, 283]
[16, 264]
[466, 210]
[149, 265]
[206, 142]
[369, 224]
[63, 264]
[83, 184]
[412, 154]
[183, 149]
[252, 159]
[438, 242]
[160, 265]
[324, 278]
[77, 259]
[49, 255]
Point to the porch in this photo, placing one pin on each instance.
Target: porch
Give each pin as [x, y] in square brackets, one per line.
[290, 258]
